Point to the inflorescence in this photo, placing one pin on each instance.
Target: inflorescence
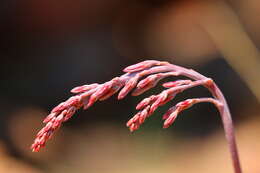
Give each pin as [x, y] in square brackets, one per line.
[139, 78]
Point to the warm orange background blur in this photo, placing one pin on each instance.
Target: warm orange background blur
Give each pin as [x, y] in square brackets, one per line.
[48, 47]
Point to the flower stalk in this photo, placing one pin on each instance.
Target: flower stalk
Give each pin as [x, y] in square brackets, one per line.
[139, 78]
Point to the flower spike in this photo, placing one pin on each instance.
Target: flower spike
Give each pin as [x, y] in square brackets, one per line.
[140, 78]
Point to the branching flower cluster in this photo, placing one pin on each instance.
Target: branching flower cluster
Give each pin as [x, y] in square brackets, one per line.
[139, 78]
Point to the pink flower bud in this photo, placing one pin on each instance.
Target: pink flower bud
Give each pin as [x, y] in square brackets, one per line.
[170, 119]
[84, 88]
[72, 101]
[41, 132]
[141, 66]
[146, 84]
[143, 103]
[70, 113]
[48, 126]
[176, 83]
[58, 120]
[144, 114]
[170, 111]
[162, 97]
[185, 104]
[147, 80]
[128, 87]
[136, 117]
[132, 127]
[49, 117]
[58, 108]
[99, 93]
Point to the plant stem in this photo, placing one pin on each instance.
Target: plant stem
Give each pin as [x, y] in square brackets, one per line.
[224, 113]
[229, 130]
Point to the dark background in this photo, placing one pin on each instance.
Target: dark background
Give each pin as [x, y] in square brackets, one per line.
[49, 47]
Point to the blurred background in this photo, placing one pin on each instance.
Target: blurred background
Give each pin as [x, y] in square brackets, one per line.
[48, 47]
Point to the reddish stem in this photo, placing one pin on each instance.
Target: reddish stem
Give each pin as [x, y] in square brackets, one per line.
[224, 113]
